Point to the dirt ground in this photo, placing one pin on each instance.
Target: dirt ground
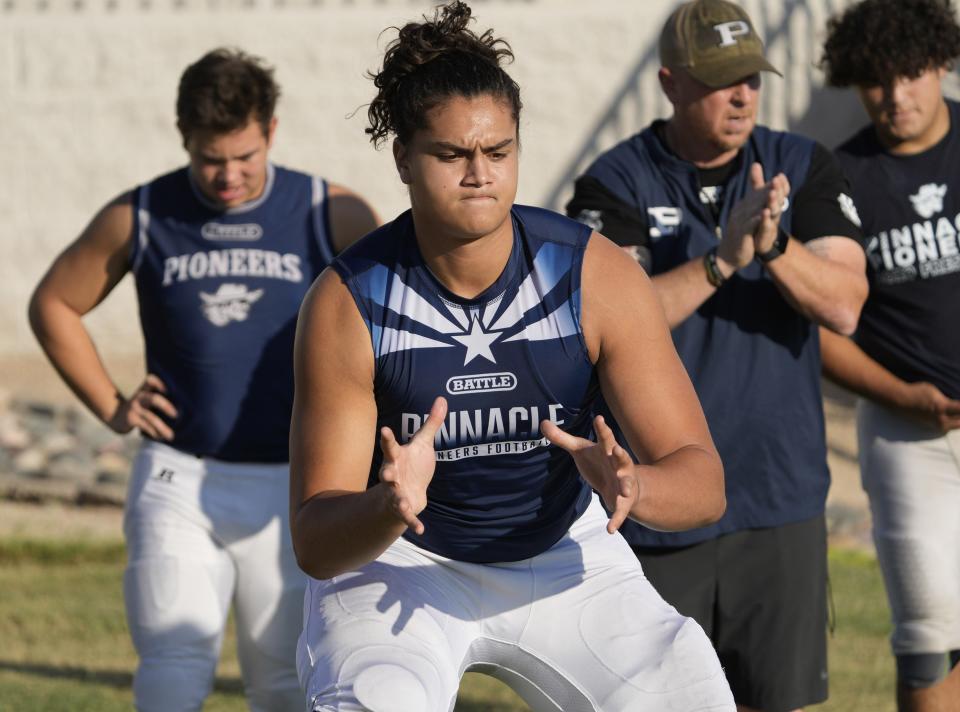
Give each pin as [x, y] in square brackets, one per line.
[58, 521]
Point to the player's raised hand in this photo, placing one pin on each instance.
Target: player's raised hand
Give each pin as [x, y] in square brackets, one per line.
[408, 469]
[604, 465]
[142, 410]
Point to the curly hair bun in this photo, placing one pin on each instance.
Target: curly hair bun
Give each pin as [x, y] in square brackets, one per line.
[431, 61]
[450, 21]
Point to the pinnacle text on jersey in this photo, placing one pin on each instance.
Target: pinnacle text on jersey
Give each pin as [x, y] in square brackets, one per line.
[473, 427]
[926, 248]
[232, 262]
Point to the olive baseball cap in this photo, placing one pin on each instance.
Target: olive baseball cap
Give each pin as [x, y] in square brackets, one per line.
[714, 41]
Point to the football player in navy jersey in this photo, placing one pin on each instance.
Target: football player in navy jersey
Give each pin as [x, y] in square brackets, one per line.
[441, 466]
[222, 252]
[904, 360]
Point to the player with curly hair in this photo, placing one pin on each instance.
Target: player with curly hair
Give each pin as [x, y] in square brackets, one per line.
[904, 360]
[474, 336]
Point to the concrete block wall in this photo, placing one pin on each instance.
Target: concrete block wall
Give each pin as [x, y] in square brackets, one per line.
[87, 90]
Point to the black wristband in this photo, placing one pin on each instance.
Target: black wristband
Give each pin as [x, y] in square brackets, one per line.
[714, 275]
[778, 248]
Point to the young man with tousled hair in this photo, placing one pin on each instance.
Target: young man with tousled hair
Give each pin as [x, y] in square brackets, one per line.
[751, 242]
[222, 252]
[904, 361]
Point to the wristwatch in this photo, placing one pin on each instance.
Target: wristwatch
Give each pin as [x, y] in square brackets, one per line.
[778, 248]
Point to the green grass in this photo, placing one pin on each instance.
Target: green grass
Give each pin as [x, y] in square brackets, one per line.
[861, 665]
[59, 553]
[64, 644]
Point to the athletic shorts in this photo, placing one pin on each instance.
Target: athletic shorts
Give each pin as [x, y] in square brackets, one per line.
[760, 595]
[575, 629]
[911, 473]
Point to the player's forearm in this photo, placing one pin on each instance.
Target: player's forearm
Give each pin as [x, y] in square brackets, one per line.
[683, 289]
[828, 293]
[847, 365]
[67, 343]
[340, 532]
[683, 490]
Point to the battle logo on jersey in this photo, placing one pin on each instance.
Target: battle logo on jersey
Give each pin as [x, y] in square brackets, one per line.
[247, 232]
[481, 383]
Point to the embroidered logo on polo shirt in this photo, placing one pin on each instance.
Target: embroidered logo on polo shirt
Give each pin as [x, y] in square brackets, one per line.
[664, 220]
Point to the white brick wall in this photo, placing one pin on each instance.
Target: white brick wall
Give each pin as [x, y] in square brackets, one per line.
[87, 91]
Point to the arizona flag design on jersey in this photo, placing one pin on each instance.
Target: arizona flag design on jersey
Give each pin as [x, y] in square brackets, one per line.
[505, 360]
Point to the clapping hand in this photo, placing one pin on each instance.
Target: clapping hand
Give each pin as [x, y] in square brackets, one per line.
[776, 191]
[754, 219]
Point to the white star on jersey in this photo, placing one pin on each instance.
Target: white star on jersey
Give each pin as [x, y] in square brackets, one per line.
[475, 328]
[478, 342]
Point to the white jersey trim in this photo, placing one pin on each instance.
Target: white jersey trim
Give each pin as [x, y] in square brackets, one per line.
[239, 209]
[143, 226]
[319, 204]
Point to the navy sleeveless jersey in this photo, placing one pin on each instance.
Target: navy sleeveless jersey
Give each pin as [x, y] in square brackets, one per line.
[505, 360]
[219, 291]
[754, 361]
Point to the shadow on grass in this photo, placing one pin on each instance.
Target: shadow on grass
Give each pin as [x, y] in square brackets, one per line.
[109, 678]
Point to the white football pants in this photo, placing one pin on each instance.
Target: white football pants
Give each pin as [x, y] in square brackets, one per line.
[911, 473]
[577, 628]
[200, 534]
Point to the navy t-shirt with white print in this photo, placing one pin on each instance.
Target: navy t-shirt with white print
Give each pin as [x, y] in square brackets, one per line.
[910, 207]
